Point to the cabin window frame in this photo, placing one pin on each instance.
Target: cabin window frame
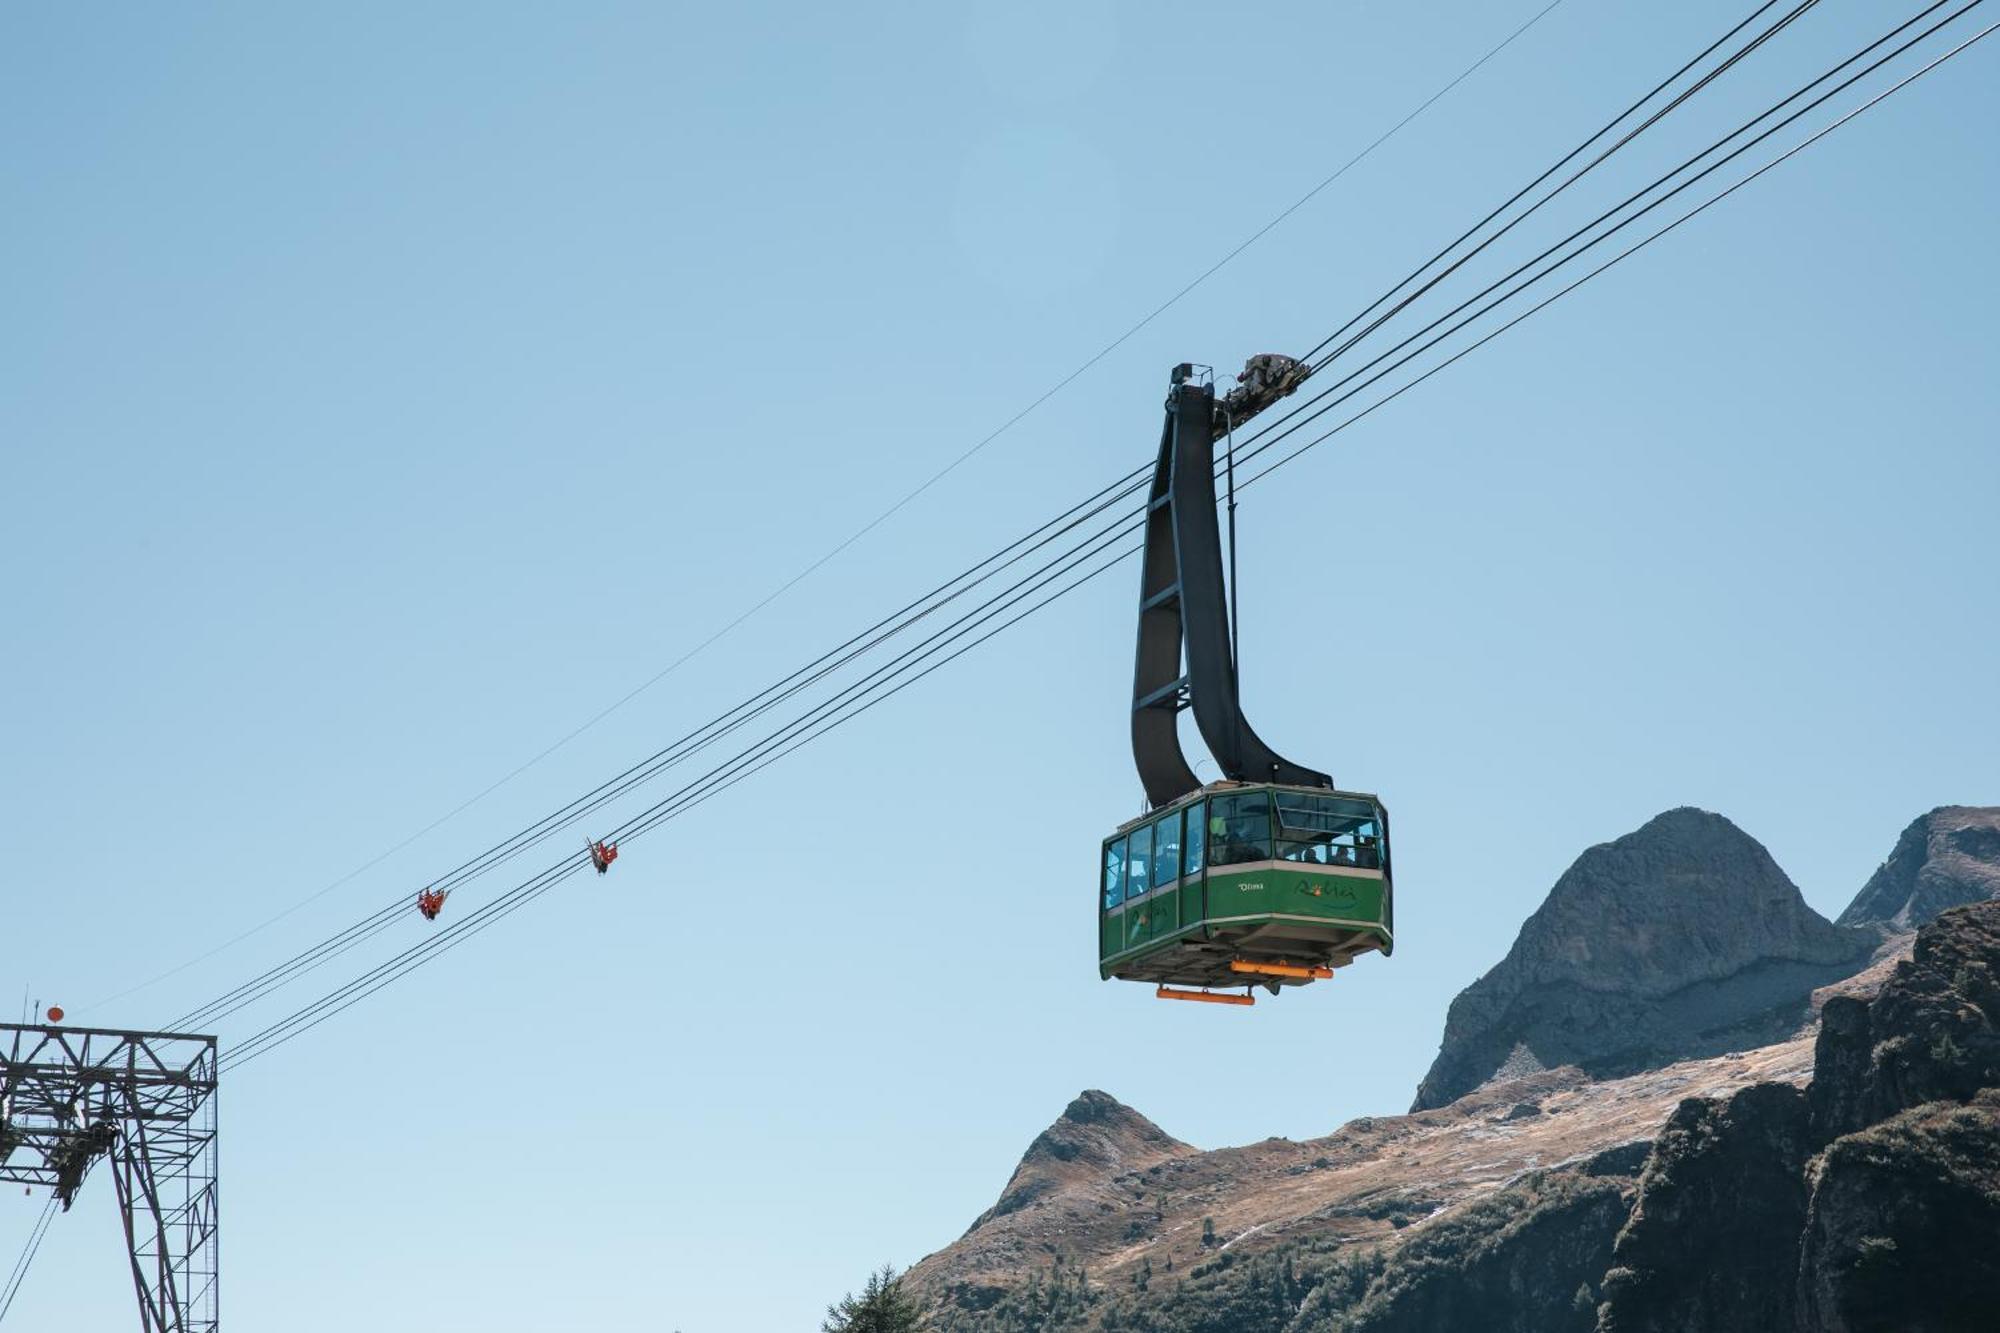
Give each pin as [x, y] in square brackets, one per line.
[1114, 852]
[1194, 837]
[1131, 841]
[1159, 879]
[1229, 801]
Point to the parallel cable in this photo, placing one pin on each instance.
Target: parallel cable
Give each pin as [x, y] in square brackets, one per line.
[692, 743]
[663, 759]
[1297, 417]
[28, 1253]
[647, 768]
[1704, 81]
[1692, 213]
[880, 518]
[279, 1033]
[506, 850]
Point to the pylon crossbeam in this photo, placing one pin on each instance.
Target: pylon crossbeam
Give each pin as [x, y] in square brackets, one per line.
[59, 1088]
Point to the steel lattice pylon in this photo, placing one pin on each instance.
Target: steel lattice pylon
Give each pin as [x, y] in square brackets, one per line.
[72, 1096]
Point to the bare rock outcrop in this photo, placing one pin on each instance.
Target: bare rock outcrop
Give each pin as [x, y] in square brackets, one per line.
[1713, 1242]
[1944, 859]
[1932, 1034]
[1680, 940]
[1511, 1263]
[1872, 1202]
[1904, 1231]
[1096, 1136]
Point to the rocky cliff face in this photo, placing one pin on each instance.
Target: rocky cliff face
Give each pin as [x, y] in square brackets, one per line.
[1713, 1241]
[1949, 857]
[1904, 1231]
[1933, 1034]
[1679, 940]
[1873, 1202]
[1512, 1263]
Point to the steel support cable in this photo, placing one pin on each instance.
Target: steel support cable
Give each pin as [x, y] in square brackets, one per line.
[650, 821]
[1293, 410]
[504, 852]
[27, 1259]
[647, 823]
[659, 762]
[1680, 99]
[547, 880]
[1631, 250]
[1295, 420]
[1005, 426]
[249, 994]
[268, 1044]
[1267, 444]
[1552, 169]
[299, 965]
[224, 1009]
[1127, 552]
[958, 629]
[768, 698]
[1692, 213]
[824, 718]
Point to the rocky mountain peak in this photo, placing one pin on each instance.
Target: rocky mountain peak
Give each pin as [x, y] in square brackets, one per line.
[1678, 940]
[1096, 1138]
[1944, 859]
[1688, 896]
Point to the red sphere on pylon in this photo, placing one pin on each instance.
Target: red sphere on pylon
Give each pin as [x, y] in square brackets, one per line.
[55, 1013]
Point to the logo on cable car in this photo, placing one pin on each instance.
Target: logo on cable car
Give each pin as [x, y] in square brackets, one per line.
[1343, 895]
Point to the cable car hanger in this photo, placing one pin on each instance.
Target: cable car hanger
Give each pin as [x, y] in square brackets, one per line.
[1182, 606]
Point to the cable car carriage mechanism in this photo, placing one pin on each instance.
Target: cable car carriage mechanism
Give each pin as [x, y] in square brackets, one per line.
[1270, 875]
[431, 901]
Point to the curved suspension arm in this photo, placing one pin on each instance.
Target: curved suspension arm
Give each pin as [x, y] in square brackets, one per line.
[1184, 616]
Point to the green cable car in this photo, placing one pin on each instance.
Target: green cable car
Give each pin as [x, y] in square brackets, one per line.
[1270, 876]
[1245, 883]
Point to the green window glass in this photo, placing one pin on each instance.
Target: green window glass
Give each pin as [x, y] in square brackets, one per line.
[1196, 839]
[1239, 828]
[1114, 873]
[1167, 850]
[1138, 862]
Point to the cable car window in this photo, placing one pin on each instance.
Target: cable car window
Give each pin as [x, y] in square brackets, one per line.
[1239, 829]
[1195, 842]
[1114, 873]
[1167, 849]
[1138, 859]
[1367, 837]
[1327, 830]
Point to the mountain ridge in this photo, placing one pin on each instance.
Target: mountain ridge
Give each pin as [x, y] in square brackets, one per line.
[1946, 858]
[1681, 938]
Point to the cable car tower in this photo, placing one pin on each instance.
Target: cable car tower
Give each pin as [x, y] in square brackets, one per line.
[1269, 875]
[145, 1101]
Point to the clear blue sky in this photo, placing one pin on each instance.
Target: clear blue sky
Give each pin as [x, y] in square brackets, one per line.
[385, 389]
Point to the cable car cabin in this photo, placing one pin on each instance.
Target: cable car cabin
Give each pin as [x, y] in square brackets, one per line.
[1246, 883]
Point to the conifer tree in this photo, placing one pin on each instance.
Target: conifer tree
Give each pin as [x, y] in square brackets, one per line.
[882, 1307]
